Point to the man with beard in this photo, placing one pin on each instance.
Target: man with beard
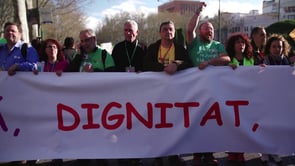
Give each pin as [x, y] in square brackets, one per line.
[204, 51]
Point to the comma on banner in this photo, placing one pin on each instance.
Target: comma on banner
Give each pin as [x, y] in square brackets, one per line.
[4, 126]
[113, 121]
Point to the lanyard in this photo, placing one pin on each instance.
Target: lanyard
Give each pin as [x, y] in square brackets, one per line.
[133, 52]
[162, 59]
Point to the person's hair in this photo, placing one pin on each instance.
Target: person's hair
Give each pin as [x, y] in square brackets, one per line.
[69, 42]
[133, 23]
[230, 45]
[166, 23]
[203, 23]
[12, 23]
[37, 44]
[60, 55]
[277, 37]
[255, 30]
[88, 31]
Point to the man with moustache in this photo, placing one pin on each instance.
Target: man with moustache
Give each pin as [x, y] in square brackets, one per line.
[204, 51]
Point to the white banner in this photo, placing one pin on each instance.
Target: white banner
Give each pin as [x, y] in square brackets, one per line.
[129, 115]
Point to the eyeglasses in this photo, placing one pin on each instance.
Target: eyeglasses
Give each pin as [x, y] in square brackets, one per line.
[52, 46]
[86, 40]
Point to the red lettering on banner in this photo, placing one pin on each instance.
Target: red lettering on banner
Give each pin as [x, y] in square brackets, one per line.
[130, 110]
[4, 126]
[111, 120]
[60, 109]
[185, 107]
[209, 115]
[236, 105]
[255, 127]
[90, 108]
[118, 118]
[163, 107]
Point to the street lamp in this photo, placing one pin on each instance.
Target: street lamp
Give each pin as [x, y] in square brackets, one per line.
[279, 6]
[219, 24]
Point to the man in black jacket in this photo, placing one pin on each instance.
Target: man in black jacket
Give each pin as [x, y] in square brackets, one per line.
[128, 54]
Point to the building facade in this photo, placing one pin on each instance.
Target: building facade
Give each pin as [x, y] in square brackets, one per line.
[272, 11]
[182, 7]
[282, 9]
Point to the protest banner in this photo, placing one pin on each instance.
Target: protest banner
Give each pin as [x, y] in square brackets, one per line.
[138, 115]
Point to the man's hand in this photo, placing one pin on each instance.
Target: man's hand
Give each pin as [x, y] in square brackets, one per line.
[171, 68]
[201, 7]
[233, 66]
[203, 65]
[88, 68]
[58, 73]
[12, 69]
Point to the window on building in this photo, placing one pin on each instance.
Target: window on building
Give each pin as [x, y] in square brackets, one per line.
[245, 29]
[290, 9]
[290, 17]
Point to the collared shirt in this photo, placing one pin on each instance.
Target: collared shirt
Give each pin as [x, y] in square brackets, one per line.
[13, 56]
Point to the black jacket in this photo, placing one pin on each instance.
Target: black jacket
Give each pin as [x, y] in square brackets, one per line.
[151, 63]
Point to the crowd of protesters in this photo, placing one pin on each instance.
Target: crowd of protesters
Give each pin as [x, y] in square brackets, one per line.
[165, 54]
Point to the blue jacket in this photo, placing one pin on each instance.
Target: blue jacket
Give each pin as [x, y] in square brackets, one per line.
[7, 59]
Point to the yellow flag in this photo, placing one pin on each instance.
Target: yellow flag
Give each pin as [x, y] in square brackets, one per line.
[292, 34]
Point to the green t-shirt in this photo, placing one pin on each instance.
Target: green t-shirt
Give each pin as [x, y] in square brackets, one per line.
[200, 52]
[95, 59]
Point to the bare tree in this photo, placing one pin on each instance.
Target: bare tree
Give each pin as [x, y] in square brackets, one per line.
[112, 30]
[20, 16]
[66, 16]
[6, 10]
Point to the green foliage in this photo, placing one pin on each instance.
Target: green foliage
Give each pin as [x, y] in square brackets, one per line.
[283, 28]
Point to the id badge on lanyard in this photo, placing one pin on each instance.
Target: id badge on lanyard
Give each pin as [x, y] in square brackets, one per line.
[130, 69]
